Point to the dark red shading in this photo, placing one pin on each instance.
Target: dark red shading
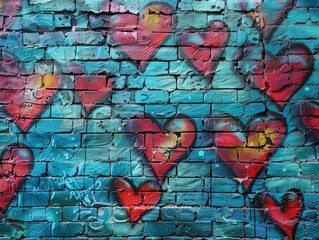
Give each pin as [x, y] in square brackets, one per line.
[203, 50]
[16, 163]
[282, 75]
[309, 114]
[165, 145]
[247, 149]
[27, 97]
[137, 201]
[141, 41]
[286, 214]
[92, 90]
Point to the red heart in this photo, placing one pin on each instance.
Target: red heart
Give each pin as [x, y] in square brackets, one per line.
[287, 213]
[309, 113]
[285, 73]
[92, 90]
[140, 37]
[137, 201]
[203, 51]
[246, 149]
[16, 163]
[27, 98]
[268, 15]
[166, 145]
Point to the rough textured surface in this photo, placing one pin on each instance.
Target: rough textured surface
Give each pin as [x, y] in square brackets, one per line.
[169, 119]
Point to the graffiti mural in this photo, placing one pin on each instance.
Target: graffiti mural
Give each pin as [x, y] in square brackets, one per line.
[180, 119]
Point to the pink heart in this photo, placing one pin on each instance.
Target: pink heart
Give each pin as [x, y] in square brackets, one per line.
[137, 201]
[203, 51]
[92, 90]
[164, 145]
[9, 7]
[282, 75]
[139, 37]
[247, 149]
[27, 97]
[16, 163]
[268, 15]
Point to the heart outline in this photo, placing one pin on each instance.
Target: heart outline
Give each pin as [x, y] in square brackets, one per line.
[285, 214]
[19, 108]
[137, 209]
[85, 88]
[285, 94]
[247, 176]
[154, 7]
[153, 126]
[215, 27]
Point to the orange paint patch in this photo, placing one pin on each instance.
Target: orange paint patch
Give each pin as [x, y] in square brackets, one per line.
[51, 81]
[152, 16]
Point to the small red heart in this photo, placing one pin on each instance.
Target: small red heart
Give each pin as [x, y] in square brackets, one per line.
[309, 113]
[27, 98]
[139, 37]
[284, 74]
[268, 15]
[137, 201]
[92, 90]
[164, 146]
[287, 213]
[246, 149]
[16, 163]
[203, 51]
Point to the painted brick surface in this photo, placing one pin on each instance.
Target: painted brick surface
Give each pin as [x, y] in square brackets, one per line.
[162, 120]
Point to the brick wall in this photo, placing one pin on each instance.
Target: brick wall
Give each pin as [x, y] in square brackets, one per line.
[173, 119]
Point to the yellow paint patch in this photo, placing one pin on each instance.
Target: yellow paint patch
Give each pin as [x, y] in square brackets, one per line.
[259, 18]
[51, 81]
[152, 16]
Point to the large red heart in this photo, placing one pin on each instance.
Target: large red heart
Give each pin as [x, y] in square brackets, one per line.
[287, 213]
[140, 37]
[268, 15]
[284, 74]
[203, 51]
[92, 90]
[16, 163]
[309, 114]
[164, 146]
[246, 149]
[27, 97]
[137, 201]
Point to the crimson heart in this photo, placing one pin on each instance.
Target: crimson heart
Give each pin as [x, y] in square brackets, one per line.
[203, 51]
[26, 98]
[268, 15]
[309, 114]
[247, 149]
[92, 90]
[140, 37]
[137, 201]
[164, 146]
[16, 163]
[284, 74]
[286, 214]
